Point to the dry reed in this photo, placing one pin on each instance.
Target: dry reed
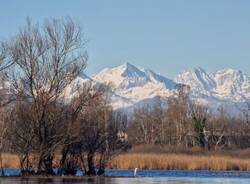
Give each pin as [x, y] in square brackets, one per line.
[178, 162]
[10, 161]
[169, 161]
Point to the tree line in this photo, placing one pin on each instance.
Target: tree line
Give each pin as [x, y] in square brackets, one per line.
[179, 121]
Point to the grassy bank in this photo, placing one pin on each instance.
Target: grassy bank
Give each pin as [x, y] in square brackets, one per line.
[170, 161]
[10, 160]
[179, 162]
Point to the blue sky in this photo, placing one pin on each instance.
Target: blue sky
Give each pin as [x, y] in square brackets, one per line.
[166, 36]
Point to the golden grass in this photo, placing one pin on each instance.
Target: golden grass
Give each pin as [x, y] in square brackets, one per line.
[10, 161]
[178, 162]
[169, 161]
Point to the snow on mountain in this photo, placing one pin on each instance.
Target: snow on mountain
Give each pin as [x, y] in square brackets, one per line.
[133, 87]
[226, 87]
[200, 81]
[135, 84]
[226, 84]
[233, 84]
[122, 77]
[76, 85]
[159, 78]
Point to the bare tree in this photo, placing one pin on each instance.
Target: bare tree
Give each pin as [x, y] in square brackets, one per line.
[143, 129]
[5, 99]
[5, 61]
[3, 132]
[244, 108]
[47, 59]
[147, 125]
[21, 134]
[95, 121]
[178, 113]
[72, 145]
[199, 116]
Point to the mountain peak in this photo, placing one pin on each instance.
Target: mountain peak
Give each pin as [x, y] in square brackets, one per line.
[198, 79]
[132, 85]
[170, 84]
[122, 76]
[128, 65]
[229, 71]
[231, 82]
[200, 70]
[129, 70]
[230, 74]
[195, 70]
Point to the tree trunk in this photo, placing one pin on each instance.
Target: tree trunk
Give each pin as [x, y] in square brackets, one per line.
[102, 165]
[63, 160]
[48, 165]
[91, 165]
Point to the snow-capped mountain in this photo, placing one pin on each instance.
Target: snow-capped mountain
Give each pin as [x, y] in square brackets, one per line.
[227, 84]
[233, 84]
[135, 85]
[132, 87]
[227, 88]
[199, 81]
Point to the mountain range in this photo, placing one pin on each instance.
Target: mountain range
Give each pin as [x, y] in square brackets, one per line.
[132, 86]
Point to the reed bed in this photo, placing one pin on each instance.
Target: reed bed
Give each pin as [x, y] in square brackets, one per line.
[178, 162]
[166, 161]
[10, 161]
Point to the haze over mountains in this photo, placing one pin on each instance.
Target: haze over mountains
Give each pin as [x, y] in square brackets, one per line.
[132, 87]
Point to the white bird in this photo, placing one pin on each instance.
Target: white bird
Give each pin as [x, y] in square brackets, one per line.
[135, 171]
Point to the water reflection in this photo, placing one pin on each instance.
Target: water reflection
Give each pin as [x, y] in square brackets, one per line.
[144, 177]
[170, 180]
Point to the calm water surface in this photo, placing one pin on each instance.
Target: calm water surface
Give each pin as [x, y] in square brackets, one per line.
[145, 177]
[144, 180]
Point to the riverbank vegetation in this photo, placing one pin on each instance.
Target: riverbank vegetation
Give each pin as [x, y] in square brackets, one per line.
[155, 158]
[156, 161]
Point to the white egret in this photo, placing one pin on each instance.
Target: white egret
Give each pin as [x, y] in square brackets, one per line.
[135, 172]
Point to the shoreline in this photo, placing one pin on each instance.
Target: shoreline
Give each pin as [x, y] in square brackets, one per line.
[164, 161]
[185, 173]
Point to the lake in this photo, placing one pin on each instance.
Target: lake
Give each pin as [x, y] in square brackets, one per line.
[142, 180]
[144, 177]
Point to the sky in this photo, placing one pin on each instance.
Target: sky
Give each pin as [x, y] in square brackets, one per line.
[165, 36]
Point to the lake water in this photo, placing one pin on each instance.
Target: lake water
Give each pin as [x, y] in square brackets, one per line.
[143, 180]
[145, 177]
